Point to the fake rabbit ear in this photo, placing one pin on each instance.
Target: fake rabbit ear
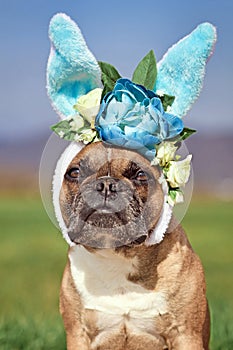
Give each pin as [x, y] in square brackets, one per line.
[72, 70]
[181, 71]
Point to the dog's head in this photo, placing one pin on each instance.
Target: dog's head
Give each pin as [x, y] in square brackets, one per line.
[110, 197]
[105, 196]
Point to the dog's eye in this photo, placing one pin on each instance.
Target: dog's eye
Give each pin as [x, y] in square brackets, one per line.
[141, 176]
[73, 173]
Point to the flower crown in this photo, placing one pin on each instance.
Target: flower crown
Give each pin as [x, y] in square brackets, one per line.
[142, 114]
[127, 114]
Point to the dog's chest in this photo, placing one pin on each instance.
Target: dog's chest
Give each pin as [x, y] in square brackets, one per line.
[101, 280]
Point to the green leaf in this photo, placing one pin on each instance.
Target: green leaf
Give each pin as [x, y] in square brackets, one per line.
[167, 100]
[109, 77]
[108, 87]
[172, 194]
[63, 125]
[186, 133]
[63, 130]
[146, 72]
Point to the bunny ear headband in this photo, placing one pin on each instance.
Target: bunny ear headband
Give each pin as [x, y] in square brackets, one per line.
[143, 114]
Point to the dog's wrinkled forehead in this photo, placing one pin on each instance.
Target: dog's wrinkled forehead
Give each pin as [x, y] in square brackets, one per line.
[104, 160]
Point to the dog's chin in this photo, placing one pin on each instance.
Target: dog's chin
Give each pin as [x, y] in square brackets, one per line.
[106, 229]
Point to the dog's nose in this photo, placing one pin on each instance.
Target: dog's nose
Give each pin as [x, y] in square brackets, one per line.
[106, 186]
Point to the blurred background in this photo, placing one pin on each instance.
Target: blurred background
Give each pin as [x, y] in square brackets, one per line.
[32, 253]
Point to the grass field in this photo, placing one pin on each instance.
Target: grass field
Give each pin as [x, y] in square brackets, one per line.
[33, 255]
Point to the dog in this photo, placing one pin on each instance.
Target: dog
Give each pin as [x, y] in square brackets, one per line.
[132, 280]
[118, 292]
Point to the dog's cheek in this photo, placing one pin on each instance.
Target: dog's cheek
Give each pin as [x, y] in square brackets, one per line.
[142, 192]
[67, 198]
[154, 206]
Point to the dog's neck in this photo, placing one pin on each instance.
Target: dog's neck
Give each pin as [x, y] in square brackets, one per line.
[128, 280]
[143, 259]
[128, 265]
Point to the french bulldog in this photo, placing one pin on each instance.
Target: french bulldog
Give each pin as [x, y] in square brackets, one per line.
[117, 291]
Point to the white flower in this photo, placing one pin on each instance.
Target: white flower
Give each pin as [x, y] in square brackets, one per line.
[178, 172]
[154, 161]
[165, 152]
[175, 197]
[86, 136]
[76, 123]
[88, 105]
[61, 134]
[179, 197]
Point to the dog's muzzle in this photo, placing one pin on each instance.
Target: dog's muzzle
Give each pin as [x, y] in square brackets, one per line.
[108, 213]
[107, 194]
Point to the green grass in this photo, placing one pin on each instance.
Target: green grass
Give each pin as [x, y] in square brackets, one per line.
[33, 256]
[209, 225]
[28, 333]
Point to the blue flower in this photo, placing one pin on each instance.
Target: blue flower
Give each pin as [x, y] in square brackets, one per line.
[133, 117]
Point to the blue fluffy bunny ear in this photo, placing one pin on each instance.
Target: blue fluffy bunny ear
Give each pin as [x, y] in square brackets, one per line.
[72, 70]
[182, 69]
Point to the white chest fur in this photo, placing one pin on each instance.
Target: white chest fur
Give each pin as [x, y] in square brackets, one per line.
[101, 280]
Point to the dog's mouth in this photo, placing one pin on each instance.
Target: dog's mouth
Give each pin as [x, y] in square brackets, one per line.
[105, 217]
[102, 227]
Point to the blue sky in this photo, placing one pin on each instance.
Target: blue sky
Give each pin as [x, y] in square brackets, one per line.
[119, 32]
